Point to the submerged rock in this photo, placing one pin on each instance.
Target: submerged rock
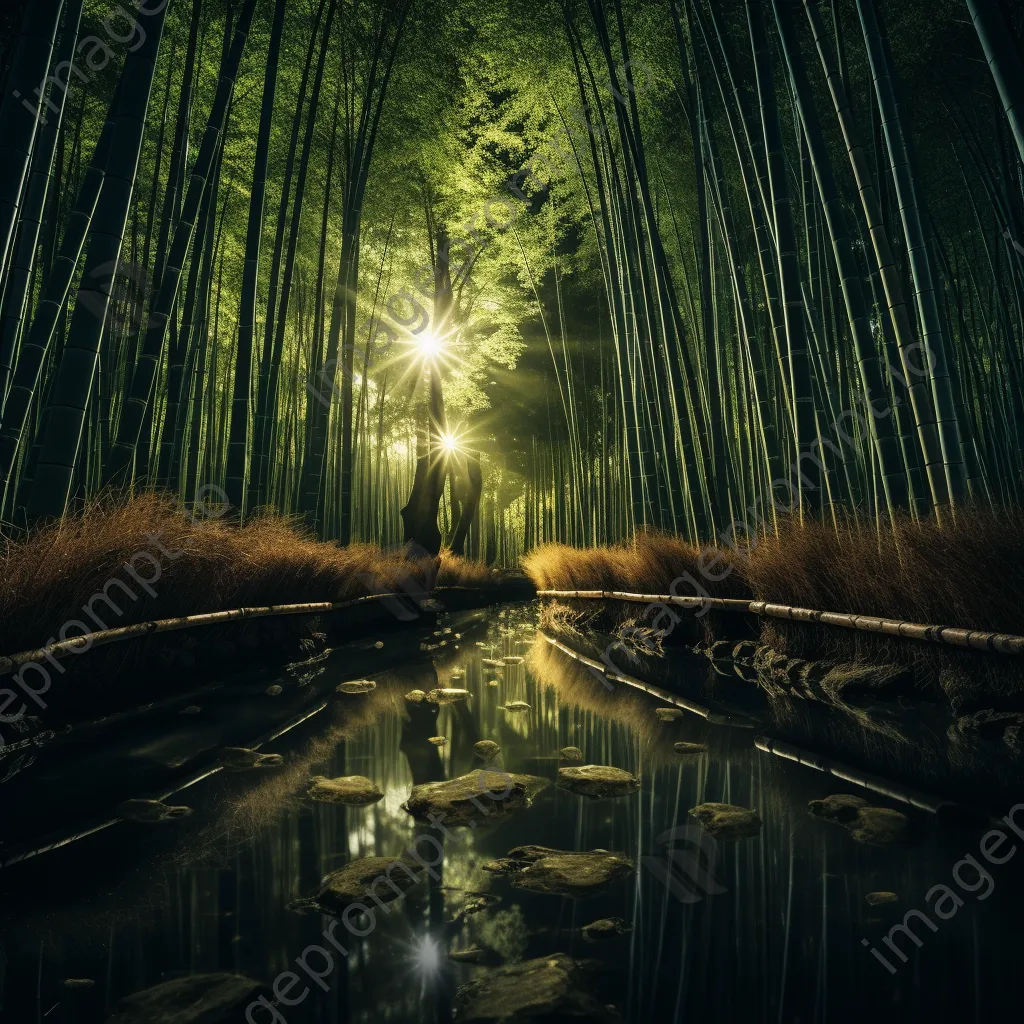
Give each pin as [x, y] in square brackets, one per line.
[875, 826]
[727, 821]
[492, 682]
[192, 709]
[837, 807]
[241, 758]
[363, 881]
[515, 706]
[571, 754]
[74, 984]
[597, 780]
[475, 797]
[357, 686]
[493, 662]
[151, 812]
[513, 659]
[562, 872]
[552, 988]
[275, 691]
[195, 999]
[486, 750]
[668, 714]
[881, 899]
[447, 695]
[416, 696]
[606, 928]
[350, 790]
[438, 741]
[879, 826]
[683, 747]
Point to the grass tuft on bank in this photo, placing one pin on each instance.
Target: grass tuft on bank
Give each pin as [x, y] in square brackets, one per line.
[154, 561]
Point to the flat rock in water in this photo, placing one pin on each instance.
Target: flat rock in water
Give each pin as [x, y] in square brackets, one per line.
[241, 758]
[447, 695]
[486, 750]
[513, 659]
[597, 780]
[606, 928]
[726, 821]
[416, 696]
[668, 714]
[878, 826]
[196, 999]
[350, 790]
[151, 811]
[682, 747]
[881, 899]
[516, 706]
[553, 988]
[837, 807]
[275, 691]
[77, 983]
[562, 872]
[387, 877]
[493, 662]
[438, 741]
[357, 686]
[571, 754]
[481, 956]
[475, 797]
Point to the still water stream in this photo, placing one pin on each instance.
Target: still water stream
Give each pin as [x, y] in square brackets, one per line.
[768, 928]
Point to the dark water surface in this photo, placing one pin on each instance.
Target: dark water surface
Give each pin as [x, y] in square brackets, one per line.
[764, 929]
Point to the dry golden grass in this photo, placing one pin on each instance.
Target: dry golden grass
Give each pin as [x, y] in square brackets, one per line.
[201, 566]
[968, 573]
[647, 565]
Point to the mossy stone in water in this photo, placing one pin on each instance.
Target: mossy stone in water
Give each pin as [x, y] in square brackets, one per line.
[196, 999]
[486, 750]
[571, 754]
[879, 826]
[668, 714]
[447, 695]
[606, 928]
[416, 696]
[727, 821]
[597, 780]
[837, 807]
[350, 790]
[480, 796]
[438, 741]
[562, 872]
[881, 899]
[552, 988]
[357, 686]
[387, 878]
[683, 747]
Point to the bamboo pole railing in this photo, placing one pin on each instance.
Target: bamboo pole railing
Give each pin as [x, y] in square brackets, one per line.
[714, 717]
[941, 807]
[79, 644]
[953, 636]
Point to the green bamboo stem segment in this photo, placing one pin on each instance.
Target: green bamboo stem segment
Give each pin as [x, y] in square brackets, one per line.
[140, 393]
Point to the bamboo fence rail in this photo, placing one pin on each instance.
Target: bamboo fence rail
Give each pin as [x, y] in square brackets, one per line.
[953, 636]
